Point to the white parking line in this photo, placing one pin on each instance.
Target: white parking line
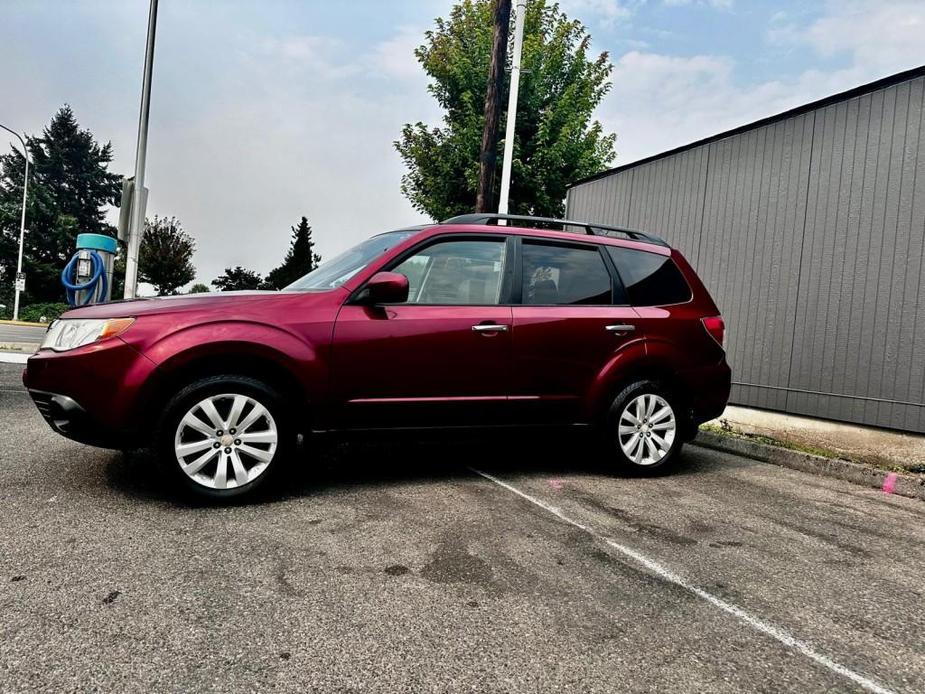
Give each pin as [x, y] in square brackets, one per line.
[13, 357]
[668, 575]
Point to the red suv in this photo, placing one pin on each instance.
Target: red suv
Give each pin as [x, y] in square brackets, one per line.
[466, 323]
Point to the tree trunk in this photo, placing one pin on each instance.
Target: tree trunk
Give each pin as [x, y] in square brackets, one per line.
[489, 153]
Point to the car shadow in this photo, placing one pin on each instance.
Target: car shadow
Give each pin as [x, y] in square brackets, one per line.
[325, 464]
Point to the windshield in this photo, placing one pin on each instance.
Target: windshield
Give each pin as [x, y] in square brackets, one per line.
[335, 272]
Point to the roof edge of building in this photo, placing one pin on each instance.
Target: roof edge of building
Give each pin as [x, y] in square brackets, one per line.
[882, 83]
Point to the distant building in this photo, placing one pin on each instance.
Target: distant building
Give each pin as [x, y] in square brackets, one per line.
[808, 228]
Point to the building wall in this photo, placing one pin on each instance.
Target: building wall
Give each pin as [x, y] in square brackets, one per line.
[808, 231]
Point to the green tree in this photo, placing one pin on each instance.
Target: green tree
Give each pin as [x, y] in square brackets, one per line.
[199, 288]
[557, 139]
[300, 260]
[166, 254]
[70, 186]
[237, 278]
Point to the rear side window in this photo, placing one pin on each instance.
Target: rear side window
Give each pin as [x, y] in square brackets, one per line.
[650, 279]
[561, 275]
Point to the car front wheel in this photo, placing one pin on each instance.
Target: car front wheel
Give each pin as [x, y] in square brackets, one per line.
[644, 430]
[225, 436]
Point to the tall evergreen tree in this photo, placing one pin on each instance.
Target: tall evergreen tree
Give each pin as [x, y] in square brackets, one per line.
[557, 139]
[300, 260]
[70, 186]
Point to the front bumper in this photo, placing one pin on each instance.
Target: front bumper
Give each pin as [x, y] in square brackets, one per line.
[91, 394]
[69, 419]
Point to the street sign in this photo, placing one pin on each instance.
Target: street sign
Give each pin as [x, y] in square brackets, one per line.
[20, 283]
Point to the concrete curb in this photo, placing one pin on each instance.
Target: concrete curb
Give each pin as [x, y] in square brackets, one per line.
[25, 347]
[866, 475]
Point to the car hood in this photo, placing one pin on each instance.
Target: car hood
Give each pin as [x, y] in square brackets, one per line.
[186, 302]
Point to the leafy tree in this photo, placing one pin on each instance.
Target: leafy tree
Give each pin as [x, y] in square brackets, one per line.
[165, 256]
[69, 188]
[300, 260]
[199, 288]
[237, 278]
[557, 141]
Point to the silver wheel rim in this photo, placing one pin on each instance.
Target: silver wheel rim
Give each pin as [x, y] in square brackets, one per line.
[647, 429]
[225, 441]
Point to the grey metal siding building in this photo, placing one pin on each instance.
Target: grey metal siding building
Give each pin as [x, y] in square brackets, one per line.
[808, 228]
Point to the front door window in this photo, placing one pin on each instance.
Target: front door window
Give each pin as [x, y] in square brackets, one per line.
[455, 273]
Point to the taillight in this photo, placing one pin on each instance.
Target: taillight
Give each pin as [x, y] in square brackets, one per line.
[716, 326]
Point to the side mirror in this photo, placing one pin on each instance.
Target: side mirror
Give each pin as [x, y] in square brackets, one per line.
[385, 288]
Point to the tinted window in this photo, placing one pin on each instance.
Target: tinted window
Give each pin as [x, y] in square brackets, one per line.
[650, 279]
[455, 273]
[554, 274]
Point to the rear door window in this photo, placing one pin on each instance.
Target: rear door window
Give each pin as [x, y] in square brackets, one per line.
[555, 275]
[650, 279]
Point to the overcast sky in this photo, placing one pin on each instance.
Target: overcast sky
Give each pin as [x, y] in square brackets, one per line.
[265, 111]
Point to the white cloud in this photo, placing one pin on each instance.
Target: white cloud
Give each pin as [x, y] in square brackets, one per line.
[880, 34]
[722, 4]
[659, 102]
[605, 12]
[394, 57]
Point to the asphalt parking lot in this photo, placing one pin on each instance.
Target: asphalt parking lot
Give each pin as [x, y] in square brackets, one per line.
[397, 567]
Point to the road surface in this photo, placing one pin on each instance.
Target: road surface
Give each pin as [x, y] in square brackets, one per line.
[21, 333]
[445, 568]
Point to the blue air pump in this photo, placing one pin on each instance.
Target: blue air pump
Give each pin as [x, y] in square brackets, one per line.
[87, 277]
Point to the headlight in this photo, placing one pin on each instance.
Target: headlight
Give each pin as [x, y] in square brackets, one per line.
[70, 333]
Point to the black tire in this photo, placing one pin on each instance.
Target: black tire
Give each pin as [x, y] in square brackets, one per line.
[260, 392]
[613, 444]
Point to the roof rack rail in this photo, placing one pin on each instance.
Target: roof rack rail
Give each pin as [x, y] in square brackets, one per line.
[590, 229]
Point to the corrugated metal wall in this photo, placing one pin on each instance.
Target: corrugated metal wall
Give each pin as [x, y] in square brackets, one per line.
[809, 233]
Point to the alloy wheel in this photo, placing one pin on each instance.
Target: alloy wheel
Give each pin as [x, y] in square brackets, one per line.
[226, 441]
[646, 429]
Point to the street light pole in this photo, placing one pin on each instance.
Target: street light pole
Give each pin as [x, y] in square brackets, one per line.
[519, 20]
[137, 221]
[22, 219]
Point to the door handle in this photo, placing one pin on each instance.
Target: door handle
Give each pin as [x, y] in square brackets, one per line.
[490, 328]
[619, 329]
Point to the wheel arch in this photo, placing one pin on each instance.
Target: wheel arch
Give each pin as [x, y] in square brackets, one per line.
[636, 363]
[251, 360]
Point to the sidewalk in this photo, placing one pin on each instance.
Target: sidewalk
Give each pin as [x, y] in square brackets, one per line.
[17, 352]
[891, 461]
[878, 447]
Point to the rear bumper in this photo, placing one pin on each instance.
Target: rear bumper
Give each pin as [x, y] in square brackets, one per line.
[708, 391]
[68, 418]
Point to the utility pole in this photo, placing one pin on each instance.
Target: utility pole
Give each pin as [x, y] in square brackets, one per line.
[509, 130]
[137, 220]
[20, 280]
[488, 157]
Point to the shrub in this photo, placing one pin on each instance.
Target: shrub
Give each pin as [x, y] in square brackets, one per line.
[35, 313]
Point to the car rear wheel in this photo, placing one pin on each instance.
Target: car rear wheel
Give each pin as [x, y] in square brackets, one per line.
[225, 436]
[644, 427]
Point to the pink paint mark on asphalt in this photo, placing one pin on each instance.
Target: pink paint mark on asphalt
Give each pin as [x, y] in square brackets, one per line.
[889, 483]
[556, 484]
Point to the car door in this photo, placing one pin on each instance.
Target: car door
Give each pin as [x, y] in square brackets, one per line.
[570, 321]
[443, 357]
